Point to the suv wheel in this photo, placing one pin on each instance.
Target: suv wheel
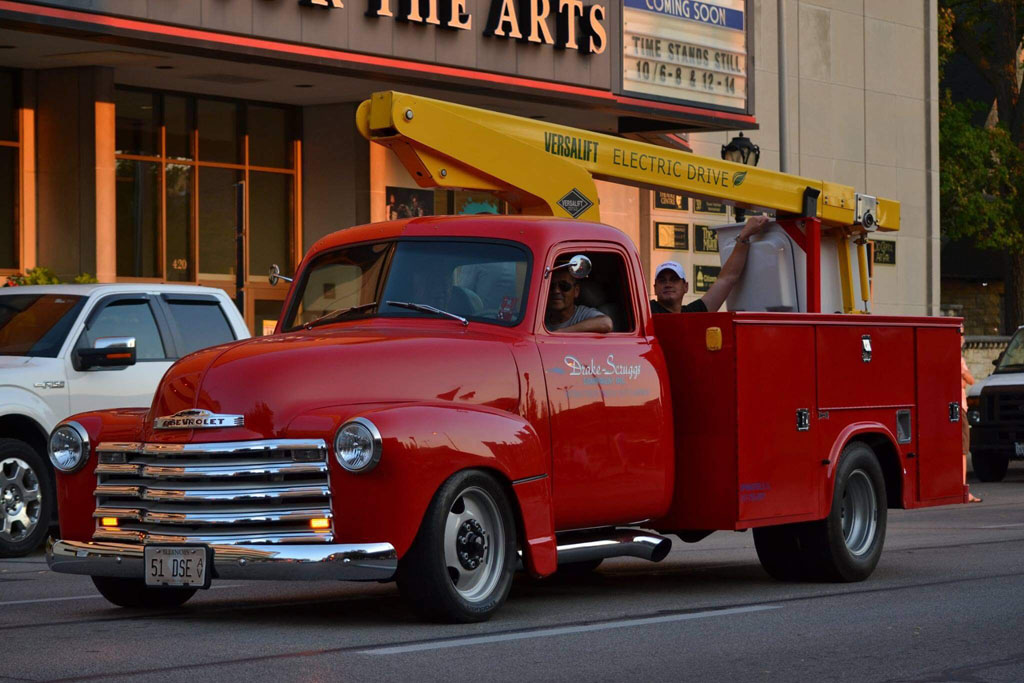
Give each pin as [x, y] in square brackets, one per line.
[27, 503]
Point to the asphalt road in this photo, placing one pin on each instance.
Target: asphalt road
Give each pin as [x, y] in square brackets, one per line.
[946, 603]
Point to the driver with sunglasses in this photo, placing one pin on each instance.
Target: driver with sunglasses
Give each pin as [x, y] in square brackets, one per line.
[564, 314]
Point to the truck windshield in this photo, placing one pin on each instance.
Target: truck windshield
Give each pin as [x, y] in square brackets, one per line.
[1012, 359]
[36, 324]
[478, 280]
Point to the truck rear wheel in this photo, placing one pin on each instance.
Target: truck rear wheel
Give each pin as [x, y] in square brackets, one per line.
[846, 545]
[989, 467]
[125, 592]
[460, 566]
[27, 503]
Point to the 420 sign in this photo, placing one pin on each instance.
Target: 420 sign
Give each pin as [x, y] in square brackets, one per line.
[577, 26]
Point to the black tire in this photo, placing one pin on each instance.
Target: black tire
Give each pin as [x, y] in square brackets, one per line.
[125, 592]
[468, 536]
[28, 503]
[846, 545]
[989, 467]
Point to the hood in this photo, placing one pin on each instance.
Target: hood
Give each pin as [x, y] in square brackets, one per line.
[1003, 379]
[272, 380]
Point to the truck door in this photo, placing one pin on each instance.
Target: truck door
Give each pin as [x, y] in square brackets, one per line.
[122, 315]
[612, 462]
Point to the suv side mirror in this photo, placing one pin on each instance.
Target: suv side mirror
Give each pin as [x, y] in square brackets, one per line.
[107, 352]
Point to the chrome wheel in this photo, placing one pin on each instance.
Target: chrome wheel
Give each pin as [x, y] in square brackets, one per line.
[859, 513]
[474, 544]
[20, 500]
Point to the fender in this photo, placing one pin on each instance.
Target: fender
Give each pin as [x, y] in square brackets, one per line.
[76, 501]
[848, 433]
[423, 445]
[15, 400]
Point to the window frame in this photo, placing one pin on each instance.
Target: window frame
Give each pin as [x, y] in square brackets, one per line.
[162, 325]
[20, 125]
[197, 276]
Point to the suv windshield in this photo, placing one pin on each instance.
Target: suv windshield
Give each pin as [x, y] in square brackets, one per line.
[479, 281]
[36, 324]
[1012, 359]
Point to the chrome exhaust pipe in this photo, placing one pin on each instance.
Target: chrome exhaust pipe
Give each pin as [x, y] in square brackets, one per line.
[597, 544]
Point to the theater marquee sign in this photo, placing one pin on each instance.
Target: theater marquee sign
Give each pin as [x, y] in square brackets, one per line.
[692, 51]
[565, 24]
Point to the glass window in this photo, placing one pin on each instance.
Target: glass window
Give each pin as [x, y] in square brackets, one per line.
[267, 311]
[480, 281]
[8, 207]
[202, 323]
[138, 218]
[270, 221]
[338, 280]
[36, 324]
[219, 138]
[8, 110]
[269, 139]
[179, 266]
[178, 124]
[128, 318]
[138, 128]
[217, 220]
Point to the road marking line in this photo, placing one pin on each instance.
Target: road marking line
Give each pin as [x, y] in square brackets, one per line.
[1002, 526]
[561, 631]
[75, 597]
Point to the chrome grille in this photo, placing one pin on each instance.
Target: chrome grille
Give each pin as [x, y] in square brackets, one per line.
[224, 493]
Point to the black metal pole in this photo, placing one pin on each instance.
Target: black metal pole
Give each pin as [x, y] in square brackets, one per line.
[240, 247]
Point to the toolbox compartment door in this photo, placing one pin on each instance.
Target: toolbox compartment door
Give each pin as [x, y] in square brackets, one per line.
[940, 460]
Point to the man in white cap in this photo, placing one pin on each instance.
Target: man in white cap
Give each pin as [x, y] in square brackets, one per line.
[670, 285]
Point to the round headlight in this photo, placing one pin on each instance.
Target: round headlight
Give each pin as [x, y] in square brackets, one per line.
[357, 445]
[974, 416]
[69, 447]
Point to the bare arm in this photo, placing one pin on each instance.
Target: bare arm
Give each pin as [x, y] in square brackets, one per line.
[600, 324]
[732, 270]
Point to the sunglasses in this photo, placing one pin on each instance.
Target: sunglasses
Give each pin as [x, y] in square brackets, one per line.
[564, 285]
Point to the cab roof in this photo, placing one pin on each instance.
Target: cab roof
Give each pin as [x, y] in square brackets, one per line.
[536, 232]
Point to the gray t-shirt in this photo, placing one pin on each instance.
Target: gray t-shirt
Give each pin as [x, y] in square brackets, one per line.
[579, 315]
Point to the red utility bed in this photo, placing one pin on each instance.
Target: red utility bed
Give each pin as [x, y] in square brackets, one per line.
[742, 459]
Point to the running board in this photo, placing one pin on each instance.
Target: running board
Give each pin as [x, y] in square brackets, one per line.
[597, 544]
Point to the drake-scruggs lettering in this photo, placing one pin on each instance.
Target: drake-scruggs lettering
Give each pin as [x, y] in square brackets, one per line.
[609, 368]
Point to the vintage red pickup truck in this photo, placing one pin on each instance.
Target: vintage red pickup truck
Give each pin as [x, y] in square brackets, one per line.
[414, 419]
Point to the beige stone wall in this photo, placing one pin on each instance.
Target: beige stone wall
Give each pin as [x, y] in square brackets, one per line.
[862, 110]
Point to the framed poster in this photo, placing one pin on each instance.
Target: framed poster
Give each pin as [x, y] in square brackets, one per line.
[705, 240]
[670, 200]
[403, 202]
[704, 277]
[705, 206]
[675, 236]
[884, 252]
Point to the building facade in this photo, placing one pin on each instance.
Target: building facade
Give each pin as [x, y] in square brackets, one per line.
[135, 135]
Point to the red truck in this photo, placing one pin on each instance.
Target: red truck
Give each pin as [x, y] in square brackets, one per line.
[414, 419]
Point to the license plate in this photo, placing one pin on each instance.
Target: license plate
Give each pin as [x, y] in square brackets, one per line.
[177, 565]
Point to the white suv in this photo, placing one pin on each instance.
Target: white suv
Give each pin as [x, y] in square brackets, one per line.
[53, 364]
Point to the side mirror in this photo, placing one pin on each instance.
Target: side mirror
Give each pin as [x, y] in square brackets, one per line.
[579, 267]
[999, 358]
[275, 275]
[107, 352]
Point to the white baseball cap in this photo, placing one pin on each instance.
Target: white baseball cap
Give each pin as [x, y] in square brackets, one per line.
[674, 267]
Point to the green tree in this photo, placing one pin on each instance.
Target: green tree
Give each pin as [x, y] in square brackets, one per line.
[982, 172]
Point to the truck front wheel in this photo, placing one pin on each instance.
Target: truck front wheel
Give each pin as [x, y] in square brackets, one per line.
[125, 592]
[988, 467]
[26, 498]
[460, 566]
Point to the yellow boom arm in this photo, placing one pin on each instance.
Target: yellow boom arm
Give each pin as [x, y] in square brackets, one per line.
[543, 168]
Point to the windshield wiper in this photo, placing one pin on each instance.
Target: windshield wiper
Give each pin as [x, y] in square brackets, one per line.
[424, 308]
[336, 315]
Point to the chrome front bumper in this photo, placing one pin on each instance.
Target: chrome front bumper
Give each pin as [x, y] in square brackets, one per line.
[321, 562]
